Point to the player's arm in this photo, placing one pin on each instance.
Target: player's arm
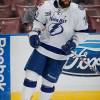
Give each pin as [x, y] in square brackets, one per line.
[38, 26]
[81, 25]
[80, 19]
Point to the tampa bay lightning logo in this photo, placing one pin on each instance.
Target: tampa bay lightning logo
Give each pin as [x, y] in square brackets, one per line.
[85, 61]
[55, 29]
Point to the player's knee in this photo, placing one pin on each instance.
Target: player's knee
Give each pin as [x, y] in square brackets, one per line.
[31, 75]
[30, 79]
[47, 86]
[47, 83]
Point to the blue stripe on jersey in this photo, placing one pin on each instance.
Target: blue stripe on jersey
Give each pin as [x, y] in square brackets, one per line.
[86, 30]
[53, 49]
[40, 22]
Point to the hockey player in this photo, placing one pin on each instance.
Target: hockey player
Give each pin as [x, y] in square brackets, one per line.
[53, 38]
[28, 17]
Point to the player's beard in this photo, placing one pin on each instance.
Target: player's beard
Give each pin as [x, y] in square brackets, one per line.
[63, 5]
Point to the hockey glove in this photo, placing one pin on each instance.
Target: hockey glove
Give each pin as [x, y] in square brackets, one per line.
[69, 46]
[34, 41]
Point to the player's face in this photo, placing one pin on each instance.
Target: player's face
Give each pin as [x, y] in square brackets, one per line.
[64, 3]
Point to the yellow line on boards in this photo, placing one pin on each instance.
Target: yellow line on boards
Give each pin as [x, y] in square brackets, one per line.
[75, 95]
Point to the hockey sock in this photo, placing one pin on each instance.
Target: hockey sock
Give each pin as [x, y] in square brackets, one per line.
[29, 88]
[46, 92]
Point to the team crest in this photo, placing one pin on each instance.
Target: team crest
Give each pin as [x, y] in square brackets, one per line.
[55, 29]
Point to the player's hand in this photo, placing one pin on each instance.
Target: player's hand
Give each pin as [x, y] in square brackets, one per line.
[69, 46]
[34, 41]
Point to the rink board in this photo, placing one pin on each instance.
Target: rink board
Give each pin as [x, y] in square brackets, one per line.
[83, 84]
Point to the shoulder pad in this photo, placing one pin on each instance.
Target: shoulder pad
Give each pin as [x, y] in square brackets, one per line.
[81, 7]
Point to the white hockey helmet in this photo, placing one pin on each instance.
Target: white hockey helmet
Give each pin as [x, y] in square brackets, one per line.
[63, 3]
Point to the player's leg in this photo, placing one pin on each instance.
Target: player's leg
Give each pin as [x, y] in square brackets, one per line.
[47, 90]
[51, 74]
[30, 83]
[33, 69]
